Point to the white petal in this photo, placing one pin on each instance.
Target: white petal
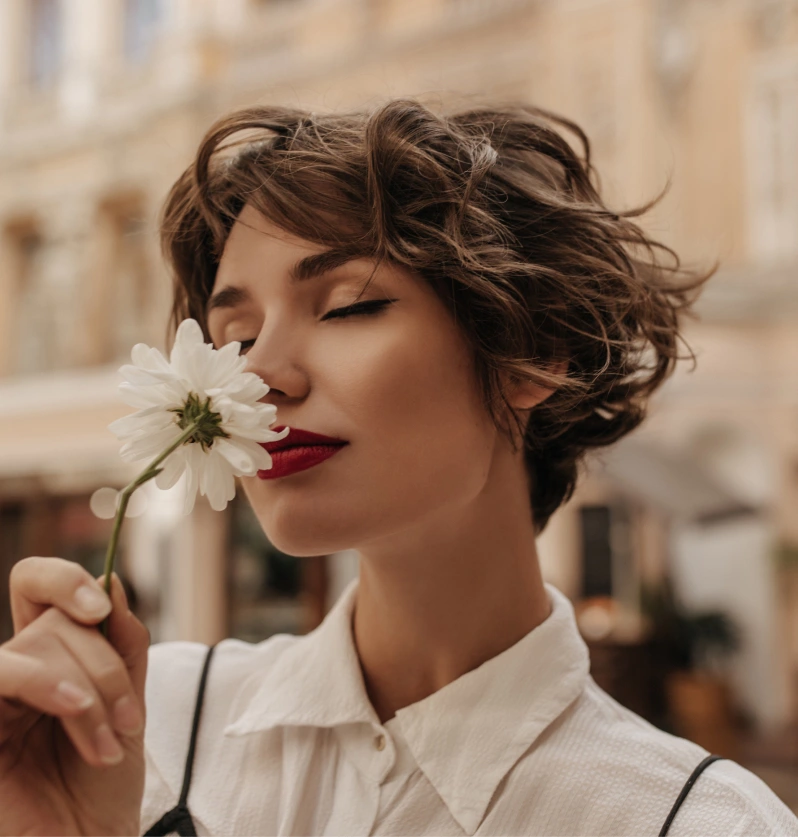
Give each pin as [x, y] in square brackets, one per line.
[175, 391]
[213, 480]
[246, 386]
[186, 358]
[260, 456]
[241, 410]
[144, 377]
[152, 395]
[150, 418]
[204, 472]
[173, 469]
[149, 358]
[224, 406]
[224, 365]
[227, 483]
[151, 444]
[245, 415]
[238, 458]
[257, 434]
[193, 370]
[189, 333]
[193, 455]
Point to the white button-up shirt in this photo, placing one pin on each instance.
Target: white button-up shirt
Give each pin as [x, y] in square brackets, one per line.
[527, 743]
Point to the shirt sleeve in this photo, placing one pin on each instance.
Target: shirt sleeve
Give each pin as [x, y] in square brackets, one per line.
[728, 800]
[173, 673]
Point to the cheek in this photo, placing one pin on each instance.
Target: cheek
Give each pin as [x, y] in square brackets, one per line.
[421, 421]
[422, 440]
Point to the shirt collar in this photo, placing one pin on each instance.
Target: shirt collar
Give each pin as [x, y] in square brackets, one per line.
[466, 736]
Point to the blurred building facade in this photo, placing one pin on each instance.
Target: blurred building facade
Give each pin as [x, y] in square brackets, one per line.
[102, 104]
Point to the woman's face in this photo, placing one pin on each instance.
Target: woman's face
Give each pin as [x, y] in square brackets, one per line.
[395, 381]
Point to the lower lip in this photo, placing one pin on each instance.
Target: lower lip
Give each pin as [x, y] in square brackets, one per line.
[290, 460]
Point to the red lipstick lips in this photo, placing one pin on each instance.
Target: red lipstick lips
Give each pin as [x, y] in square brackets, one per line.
[298, 451]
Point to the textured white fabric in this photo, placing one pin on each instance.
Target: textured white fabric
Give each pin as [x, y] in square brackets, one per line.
[527, 743]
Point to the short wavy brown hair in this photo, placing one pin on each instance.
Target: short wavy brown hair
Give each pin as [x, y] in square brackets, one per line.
[493, 207]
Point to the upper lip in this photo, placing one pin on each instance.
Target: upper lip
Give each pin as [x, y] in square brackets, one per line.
[297, 437]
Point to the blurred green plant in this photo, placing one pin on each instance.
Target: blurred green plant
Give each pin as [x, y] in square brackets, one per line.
[688, 641]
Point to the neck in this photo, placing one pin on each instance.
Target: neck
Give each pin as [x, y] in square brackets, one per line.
[441, 599]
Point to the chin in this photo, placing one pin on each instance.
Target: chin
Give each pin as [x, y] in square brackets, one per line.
[304, 541]
[301, 527]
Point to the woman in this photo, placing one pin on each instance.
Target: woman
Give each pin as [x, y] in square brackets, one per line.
[448, 303]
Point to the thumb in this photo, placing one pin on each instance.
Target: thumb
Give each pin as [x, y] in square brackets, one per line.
[128, 635]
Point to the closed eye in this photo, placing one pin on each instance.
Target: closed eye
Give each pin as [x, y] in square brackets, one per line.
[369, 306]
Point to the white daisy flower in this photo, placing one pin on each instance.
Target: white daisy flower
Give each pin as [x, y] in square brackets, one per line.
[202, 388]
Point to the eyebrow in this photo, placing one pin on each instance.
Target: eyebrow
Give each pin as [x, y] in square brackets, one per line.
[309, 267]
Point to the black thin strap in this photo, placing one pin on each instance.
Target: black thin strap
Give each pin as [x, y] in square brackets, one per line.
[686, 789]
[179, 818]
[192, 745]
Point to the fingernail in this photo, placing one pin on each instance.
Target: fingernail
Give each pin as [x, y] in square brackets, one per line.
[108, 748]
[92, 601]
[127, 718]
[72, 696]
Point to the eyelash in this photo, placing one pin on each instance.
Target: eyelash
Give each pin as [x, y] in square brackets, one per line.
[366, 308]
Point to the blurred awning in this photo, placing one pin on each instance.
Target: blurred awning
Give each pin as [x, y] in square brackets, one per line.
[54, 429]
[671, 482]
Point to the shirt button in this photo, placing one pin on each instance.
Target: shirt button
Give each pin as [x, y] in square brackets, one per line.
[379, 742]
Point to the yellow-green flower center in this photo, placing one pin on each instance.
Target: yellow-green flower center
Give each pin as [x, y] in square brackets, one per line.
[208, 429]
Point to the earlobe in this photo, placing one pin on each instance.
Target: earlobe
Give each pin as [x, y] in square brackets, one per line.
[528, 396]
[525, 394]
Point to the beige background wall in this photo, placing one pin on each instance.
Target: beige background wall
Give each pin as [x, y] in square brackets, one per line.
[699, 92]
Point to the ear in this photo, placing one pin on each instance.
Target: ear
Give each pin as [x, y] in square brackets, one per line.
[523, 394]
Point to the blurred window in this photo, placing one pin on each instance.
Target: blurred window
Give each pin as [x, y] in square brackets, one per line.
[11, 519]
[118, 304]
[131, 285]
[45, 42]
[35, 324]
[142, 18]
[270, 592]
[773, 162]
[607, 562]
[596, 551]
[52, 525]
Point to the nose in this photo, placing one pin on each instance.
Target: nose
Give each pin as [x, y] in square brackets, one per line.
[274, 357]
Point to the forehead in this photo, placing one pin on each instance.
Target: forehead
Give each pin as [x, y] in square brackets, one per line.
[254, 236]
[257, 249]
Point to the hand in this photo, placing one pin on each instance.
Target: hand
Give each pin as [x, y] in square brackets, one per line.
[61, 767]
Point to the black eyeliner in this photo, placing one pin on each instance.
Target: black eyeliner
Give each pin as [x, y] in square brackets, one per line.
[358, 307]
[365, 307]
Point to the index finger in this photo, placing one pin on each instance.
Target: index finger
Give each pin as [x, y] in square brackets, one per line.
[36, 584]
[129, 636]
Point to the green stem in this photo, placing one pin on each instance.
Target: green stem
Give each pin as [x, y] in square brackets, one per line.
[151, 471]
